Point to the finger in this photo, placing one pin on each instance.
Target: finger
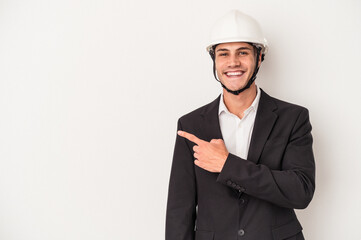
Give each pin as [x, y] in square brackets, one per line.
[190, 137]
[200, 164]
[196, 155]
[195, 148]
[216, 141]
[197, 162]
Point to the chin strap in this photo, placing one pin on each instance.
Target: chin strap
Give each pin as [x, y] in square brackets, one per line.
[250, 81]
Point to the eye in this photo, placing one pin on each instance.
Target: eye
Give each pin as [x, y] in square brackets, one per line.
[243, 53]
[222, 54]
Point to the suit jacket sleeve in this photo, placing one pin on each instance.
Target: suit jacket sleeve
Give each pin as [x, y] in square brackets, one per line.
[182, 195]
[291, 186]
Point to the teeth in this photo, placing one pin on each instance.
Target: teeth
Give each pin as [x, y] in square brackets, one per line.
[234, 73]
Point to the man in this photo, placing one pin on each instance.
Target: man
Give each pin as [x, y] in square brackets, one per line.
[243, 162]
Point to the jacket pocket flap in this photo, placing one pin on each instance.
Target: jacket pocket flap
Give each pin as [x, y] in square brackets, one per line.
[287, 230]
[204, 235]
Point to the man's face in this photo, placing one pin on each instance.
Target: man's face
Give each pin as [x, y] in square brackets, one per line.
[235, 63]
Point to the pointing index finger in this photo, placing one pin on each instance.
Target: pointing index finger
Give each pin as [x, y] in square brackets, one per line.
[190, 137]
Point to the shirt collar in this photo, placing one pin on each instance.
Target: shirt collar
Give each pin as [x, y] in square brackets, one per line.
[254, 105]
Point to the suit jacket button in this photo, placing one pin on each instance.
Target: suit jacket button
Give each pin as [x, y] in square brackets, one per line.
[241, 232]
[241, 200]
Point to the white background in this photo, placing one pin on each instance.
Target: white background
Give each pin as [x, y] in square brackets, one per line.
[90, 94]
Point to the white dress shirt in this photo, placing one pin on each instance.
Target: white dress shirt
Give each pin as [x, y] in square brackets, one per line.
[237, 132]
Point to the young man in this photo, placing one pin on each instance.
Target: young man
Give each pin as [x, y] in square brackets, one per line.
[243, 162]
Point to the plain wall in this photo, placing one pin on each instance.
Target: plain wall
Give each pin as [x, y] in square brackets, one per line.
[90, 94]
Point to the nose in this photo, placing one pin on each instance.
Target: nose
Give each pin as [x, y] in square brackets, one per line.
[234, 61]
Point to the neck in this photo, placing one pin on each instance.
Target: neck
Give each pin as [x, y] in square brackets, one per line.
[237, 104]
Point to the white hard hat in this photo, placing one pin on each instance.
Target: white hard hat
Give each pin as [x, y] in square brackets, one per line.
[236, 26]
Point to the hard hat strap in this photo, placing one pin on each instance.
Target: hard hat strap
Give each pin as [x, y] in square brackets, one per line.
[250, 81]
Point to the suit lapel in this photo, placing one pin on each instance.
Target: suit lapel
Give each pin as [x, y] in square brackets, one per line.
[265, 119]
[211, 128]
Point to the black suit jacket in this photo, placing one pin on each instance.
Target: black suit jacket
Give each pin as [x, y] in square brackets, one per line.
[251, 199]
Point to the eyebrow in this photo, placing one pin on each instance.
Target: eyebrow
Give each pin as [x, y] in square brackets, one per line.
[241, 48]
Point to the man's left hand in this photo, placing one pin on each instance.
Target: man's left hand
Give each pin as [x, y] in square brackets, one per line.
[210, 156]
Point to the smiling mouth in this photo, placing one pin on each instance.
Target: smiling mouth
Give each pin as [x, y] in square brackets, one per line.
[234, 74]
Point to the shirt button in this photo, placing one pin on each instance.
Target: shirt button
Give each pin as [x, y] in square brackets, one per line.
[241, 232]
